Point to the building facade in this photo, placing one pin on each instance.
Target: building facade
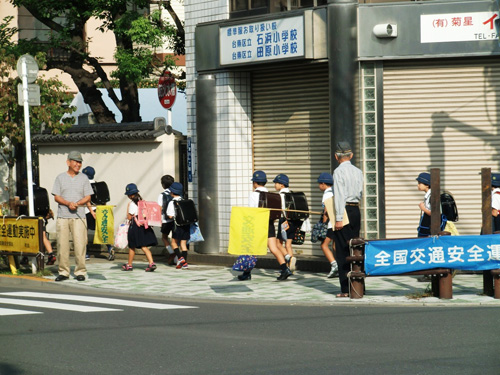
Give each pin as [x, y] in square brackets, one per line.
[412, 85]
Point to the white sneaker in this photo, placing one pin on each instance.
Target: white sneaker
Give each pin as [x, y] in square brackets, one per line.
[292, 264]
[334, 271]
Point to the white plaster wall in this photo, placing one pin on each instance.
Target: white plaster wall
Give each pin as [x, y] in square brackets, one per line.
[234, 130]
[117, 165]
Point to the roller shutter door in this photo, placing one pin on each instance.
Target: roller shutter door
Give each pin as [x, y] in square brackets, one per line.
[290, 116]
[439, 115]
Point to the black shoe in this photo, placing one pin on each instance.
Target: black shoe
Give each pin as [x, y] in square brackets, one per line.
[80, 278]
[245, 276]
[284, 274]
[51, 259]
[61, 278]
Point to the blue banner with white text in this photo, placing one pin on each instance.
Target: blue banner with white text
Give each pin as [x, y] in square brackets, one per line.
[471, 253]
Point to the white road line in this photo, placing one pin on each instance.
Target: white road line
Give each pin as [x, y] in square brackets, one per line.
[54, 305]
[100, 300]
[5, 312]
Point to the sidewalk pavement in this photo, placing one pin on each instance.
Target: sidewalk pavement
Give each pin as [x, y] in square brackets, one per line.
[219, 283]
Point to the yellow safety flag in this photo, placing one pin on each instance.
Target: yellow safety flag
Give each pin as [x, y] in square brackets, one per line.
[248, 231]
[104, 225]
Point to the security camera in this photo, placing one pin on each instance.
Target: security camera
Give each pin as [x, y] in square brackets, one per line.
[386, 30]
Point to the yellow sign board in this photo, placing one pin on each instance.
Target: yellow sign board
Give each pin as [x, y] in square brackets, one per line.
[248, 229]
[105, 225]
[19, 236]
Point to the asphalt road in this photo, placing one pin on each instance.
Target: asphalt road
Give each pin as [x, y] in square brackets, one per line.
[238, 338]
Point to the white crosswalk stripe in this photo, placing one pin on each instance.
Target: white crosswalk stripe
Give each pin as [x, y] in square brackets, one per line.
[99, 300]
[40, 300]
[54, 305]
[5, 312]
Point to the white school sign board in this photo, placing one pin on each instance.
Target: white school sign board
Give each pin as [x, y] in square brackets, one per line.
[262, 41]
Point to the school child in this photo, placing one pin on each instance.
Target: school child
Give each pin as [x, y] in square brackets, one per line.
[90, 214]
[167, 224]
[259, 180]
[325, 181]
[138, 236]
[424, 184]
[51, 258]
[495, 202]
[281, 183]
[181, 232]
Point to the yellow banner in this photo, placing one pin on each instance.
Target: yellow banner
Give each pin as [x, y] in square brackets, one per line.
[248, 230]
[104, 225]
[19, 235]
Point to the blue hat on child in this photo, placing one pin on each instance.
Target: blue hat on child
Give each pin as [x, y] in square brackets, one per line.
[176, 188]
[131, 189]
[259, 176]
[495, 179]
[282, 179]
[325, 178]
[424, 178]
[89, 171]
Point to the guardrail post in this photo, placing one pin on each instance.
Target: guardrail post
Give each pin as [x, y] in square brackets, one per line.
[357, 283]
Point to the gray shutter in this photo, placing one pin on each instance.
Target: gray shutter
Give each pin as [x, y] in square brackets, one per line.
[290, 116]
[439, 115]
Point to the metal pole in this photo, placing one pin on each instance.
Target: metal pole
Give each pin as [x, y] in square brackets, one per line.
[342, 72]
[435, 201]
[27, 136]
[487, 223]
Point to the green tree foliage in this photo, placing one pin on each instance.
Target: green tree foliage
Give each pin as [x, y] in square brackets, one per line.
[137, 30]
[54, 98]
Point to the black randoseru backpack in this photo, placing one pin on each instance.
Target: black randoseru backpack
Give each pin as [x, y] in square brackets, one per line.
[449, 206]
[296, 201]
[185, 212]
[101, 193]
[271, 200]
[40, 201]
[166, 198]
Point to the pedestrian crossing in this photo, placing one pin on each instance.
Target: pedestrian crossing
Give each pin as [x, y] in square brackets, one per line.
[73, 302]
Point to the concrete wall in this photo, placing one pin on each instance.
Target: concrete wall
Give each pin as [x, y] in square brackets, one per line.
[118, 165]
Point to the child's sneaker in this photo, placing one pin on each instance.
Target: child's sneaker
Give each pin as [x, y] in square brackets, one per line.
[127, 267]
[151, 267]
[180, 262]
[185, 266]
[111, 255]
[51, 259]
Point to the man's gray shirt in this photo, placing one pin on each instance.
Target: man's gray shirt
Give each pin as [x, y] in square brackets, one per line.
[71, 189]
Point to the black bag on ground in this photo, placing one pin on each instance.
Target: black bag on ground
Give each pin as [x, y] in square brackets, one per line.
[296, 201]
[185, 212]
[101, 193]
[41, 201]
[449, 206]
[271, 200]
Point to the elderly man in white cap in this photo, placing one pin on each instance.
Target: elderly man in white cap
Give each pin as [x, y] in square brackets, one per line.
[71, 191]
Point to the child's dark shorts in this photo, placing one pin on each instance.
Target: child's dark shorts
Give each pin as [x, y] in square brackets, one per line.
[330, 233]
[271, 231]
[181, 233]
[168, 227]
